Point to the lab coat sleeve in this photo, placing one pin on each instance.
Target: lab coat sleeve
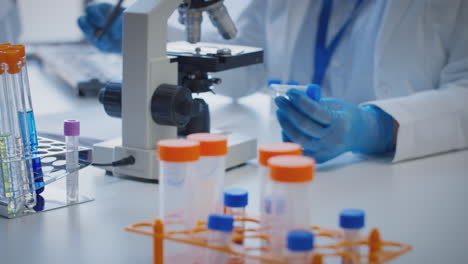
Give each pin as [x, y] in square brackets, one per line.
[242, 81]
[436, 121]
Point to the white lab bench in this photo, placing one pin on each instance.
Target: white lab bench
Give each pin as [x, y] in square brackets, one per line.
[421, 202]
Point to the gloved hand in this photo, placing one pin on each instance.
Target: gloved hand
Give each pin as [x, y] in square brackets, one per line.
[330, 127]
[94, 19]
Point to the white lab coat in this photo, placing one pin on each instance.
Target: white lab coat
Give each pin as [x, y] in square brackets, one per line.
[421, 66]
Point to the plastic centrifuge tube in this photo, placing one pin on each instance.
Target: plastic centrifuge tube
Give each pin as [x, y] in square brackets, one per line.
[209, 181]
[220, 233]
[300, 245]
[16, 176]
[235, 202]
[313, 91]
[352, 221]
[265, 152]
[26, 117]
[71, 130]
[178, 160]
[291, 178]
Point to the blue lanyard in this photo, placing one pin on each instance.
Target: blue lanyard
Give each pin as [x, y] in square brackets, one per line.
[323, 54]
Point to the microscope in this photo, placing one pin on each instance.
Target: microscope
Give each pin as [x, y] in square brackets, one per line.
[155, 98]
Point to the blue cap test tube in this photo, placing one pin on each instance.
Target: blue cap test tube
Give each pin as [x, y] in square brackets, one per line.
[352, 221]
[300, 245]
[235, 202]
[220, 229]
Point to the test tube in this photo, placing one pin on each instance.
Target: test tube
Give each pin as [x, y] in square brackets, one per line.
[15, 66]
[276, 89]
[2, 119]
[235, 202]
[313, 91]
[178, 160]
[26, 117]
[14, 58]
[15, 61]
[291, 177]
[265, 152]
[209, 181]
[14, 172]
[300, 245]
[71, 129]
[220, 232]
[351, 221]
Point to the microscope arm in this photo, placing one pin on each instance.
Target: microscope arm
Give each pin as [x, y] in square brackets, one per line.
[145, 67]
[154, 101]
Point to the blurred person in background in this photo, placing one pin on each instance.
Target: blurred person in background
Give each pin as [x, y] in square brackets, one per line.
[10, 27]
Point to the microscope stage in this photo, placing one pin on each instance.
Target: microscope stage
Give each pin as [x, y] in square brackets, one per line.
[213, 57]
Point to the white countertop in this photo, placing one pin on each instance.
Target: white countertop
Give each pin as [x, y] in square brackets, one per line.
[420, 202]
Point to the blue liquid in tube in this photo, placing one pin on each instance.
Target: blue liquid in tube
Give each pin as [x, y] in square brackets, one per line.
[36, 163]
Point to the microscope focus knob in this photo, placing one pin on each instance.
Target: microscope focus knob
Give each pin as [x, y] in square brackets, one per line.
[111, 98]
[172, 105]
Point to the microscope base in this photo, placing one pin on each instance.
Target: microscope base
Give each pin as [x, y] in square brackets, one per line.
[241, 149]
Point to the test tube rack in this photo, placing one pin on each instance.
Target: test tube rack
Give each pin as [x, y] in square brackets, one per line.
[52, 154]
[373, 249]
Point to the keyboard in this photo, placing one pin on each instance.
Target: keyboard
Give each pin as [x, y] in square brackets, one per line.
[81, 65]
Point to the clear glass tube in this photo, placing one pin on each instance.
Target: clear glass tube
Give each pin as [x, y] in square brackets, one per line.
[27, 108]
[72, 166]
[13, 169]
[16, 83]
[20, 127]
[26, 115]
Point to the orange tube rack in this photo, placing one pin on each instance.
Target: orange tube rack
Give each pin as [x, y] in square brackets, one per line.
[373, 249]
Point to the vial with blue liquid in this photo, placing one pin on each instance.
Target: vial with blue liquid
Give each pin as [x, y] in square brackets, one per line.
[17, 177]
[26, 116]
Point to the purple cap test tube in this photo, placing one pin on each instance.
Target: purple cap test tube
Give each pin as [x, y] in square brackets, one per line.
[71, 130]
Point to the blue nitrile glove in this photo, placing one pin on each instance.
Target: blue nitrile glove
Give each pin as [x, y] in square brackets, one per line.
[94, 19]
[330, 127]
